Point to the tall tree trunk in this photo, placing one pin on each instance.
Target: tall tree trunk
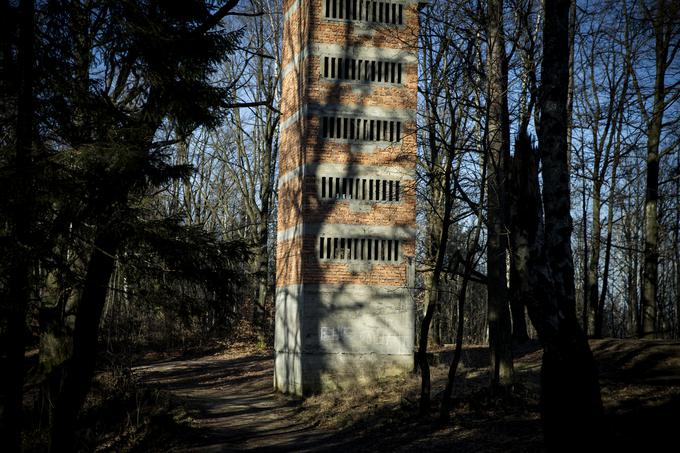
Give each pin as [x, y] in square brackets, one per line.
[570, 392]
[553, 153]
[266, 186]
[651, 228]
[527, 231]
[500, 341]
[262, 260]
[445, 409]
[570, 92]
[676, 243]
[79, 370]
[425, 379]
[599, 320]
[56, 320]
[433, 285]
[14, 308]
[434, 233]
[434, 229]
[436, 325]
[584, 269]
[592, 289]
[567, 362]
[633, 277]
[519, 322]
[438, 167]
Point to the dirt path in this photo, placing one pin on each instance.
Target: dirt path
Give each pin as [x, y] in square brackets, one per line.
[230, 398]
[235, 403]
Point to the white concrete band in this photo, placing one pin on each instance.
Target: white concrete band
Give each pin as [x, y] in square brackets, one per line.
[363, 53]
[285, 124]
[400, 232]
[348, 171]
[351, 111]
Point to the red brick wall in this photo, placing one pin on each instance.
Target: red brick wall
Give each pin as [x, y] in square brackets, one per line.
[291, 254]
[323, 90]
[300, 143]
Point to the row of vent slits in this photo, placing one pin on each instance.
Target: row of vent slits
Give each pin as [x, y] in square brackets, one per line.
[360, 129]
[366, 70]
[359, 189]
[358, 249]
[369, 11]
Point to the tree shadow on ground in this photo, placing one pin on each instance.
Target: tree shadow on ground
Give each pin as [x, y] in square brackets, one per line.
[235, 408]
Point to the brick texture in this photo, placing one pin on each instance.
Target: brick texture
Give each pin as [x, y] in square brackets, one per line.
[301, 143]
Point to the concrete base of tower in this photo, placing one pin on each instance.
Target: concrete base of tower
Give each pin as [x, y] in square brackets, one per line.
[288, 372]
[307, 374]
[337, 336]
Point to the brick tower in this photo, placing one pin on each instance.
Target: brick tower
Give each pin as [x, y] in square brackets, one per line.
[346, 215]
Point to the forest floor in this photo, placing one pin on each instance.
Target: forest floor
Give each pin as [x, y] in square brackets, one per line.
[228, 404]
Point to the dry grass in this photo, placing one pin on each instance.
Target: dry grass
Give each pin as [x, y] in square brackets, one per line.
[640, 383]
[349, 407]
[384, 417]
[640, 389]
